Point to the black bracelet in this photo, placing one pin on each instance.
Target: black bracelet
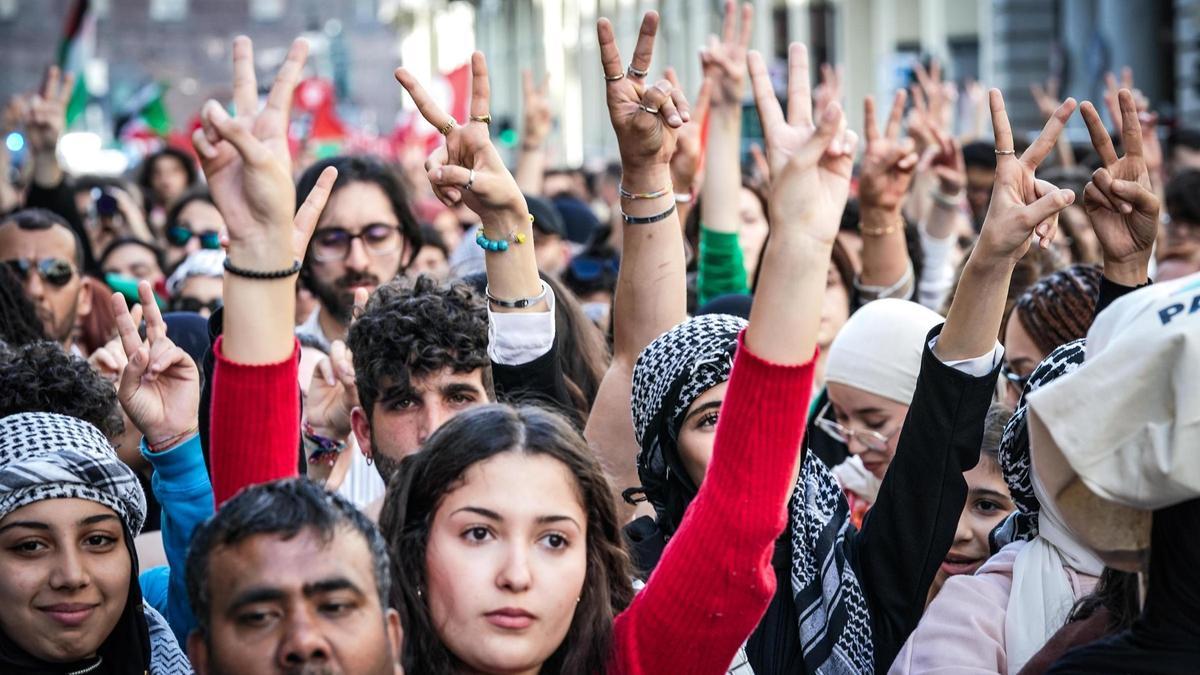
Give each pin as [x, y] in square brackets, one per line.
[634, 220]
[255, 274]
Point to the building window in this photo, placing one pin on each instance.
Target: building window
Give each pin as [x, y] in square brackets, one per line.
[266, 10]
[168, 10]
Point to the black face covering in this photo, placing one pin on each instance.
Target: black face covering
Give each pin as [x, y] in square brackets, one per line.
[126, 651]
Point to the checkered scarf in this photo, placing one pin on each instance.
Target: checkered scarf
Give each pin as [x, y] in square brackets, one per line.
[49, 456]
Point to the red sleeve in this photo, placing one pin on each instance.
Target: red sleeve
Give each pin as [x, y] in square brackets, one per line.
[715, 581]
[255, 423]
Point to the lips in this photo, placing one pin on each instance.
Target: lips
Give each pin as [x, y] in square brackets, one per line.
[511, 618]
[69, 614]
[955, 564]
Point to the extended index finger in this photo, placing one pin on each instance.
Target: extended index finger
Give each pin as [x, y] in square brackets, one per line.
[424, 102]
[480, 87]
[799, 87]
[643, 52]
[893, 123]
[245, 84]
[1043, 145]
[769, 111]
[280, 98]
[1131, 127]
[1000, 125]
[126, 326]
[1099, 135]
[156, 328]
[610, 55]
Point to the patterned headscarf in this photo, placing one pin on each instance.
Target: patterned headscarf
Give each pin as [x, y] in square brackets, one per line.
[670, 374]
[49, 456]
[1013, 454]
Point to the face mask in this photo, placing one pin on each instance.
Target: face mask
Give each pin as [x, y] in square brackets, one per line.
[595, 311]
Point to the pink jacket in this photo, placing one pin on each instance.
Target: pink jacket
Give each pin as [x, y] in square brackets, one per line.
[962, 630]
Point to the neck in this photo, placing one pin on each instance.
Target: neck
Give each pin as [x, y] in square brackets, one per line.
[330, 326]
[819, 368]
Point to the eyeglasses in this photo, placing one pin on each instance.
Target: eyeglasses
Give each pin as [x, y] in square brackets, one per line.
[54, 271]
[587, 268]
[180, 236]
[1014, 380]
[186, 304]
[872, 439]
[333, 243]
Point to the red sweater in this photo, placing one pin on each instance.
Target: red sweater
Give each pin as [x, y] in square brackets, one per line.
[714, 581]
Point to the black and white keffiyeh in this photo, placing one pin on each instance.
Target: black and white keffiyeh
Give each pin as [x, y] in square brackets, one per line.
[1013, 455]
[49, 456]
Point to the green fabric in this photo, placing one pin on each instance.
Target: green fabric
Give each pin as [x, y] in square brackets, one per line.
[721, 267]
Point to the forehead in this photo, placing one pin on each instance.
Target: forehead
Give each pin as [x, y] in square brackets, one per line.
[56, 241]
[64, 512]
[440, 379]
[850, 399]
[1018, 344]
[201, 287]
[357, 204]
[288, 565]
[518, 486]
[200, 212]
[130, 254]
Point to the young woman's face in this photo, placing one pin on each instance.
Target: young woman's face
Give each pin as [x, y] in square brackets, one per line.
[64, 577]
[753, 230]
[988, 503]
[867, 414]
[1021, 356]
[699, 432]
[506, 562]
[835, 308]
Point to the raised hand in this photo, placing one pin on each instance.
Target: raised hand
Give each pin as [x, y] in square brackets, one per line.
[160, 387]
[829, 90]
[937, 95]
[1046, 96]
[46, 116]
[1119, 199]
[810, 165]
[1021, 205]
[538, 117]
[688, 159]
[332, 394]
[724, 61]
[889, 160]
[946, 162]
[1152, 151]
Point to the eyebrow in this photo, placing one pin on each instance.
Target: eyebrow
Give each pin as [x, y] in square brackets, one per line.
[702, 409]
[398, 391]
[458, 388]
[259, 594]
[37, 525]
[990, 494]
[492, 515]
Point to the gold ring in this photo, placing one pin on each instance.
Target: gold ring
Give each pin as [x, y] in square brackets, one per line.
[448, 127]
[614, 78]
[1006, 152]
[486, 119]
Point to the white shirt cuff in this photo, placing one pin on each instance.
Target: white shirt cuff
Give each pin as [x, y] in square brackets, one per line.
[978, 366]
[515, 338]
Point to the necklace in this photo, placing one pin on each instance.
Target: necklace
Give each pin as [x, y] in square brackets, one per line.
[89, 669]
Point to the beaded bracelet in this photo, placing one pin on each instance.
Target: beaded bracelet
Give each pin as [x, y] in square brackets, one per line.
[646, 220]
[879, 232]
[497, 245]
[320, 449]
[519, 303]
[255, 274]
[644, 195]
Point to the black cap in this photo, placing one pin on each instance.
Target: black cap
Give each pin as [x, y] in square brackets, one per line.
[546, 218]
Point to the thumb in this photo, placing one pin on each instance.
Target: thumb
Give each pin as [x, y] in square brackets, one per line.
[249, 147]
[1140, 197]
[1048, 206]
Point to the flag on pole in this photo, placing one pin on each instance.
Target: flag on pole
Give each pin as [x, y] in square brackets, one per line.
[77, 46]
[146, 109]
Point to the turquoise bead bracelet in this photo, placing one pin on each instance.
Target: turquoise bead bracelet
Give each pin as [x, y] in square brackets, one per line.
[497, 245]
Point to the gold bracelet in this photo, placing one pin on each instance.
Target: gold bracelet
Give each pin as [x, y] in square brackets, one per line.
[880, 232]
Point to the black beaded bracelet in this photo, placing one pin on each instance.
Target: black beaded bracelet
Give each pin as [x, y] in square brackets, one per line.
[255, 274]
[634, 220]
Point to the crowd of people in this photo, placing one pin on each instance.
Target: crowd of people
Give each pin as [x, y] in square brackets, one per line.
[905, 399]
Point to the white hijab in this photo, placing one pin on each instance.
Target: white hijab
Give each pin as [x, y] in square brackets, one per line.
[879, 349]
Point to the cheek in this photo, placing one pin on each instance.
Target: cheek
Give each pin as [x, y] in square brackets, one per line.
[456, 581]
[695, 450]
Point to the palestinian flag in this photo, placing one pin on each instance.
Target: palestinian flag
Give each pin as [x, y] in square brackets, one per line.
[145, 110]
[77, 46]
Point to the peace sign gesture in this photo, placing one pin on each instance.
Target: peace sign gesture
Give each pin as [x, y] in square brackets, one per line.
[889, 161]
[47, 113]
[810, 165]
[724, 61]
[160, 387]
[645, 119]
[1119, 199]
[1022, 205]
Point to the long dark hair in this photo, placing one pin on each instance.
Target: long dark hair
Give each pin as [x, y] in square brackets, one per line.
[582, 349]
[424, 479]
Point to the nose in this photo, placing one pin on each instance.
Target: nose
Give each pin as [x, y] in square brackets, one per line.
[34, 287]
[303, 642]
[964, 534]
[855, 445]
[193, 245]
[69, 573]
[431, 421]
[357, 257]
[515, 575]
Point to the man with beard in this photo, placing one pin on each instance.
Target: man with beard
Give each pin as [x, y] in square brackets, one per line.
[365, 237]
[47, 256]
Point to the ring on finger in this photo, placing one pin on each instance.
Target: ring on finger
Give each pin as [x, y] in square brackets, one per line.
[470, 180]
[614, 78]
[486, 119]
[646, 108]
[1006, 152]
[634, 72]
[449, 126]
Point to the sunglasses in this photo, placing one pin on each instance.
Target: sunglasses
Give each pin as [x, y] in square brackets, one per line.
[194, 305]
[54, 271]
[180, 236]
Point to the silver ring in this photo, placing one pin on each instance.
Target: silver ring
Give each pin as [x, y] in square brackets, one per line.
[652, 111]
[634, 72]
[470, 180]
[1006, 152]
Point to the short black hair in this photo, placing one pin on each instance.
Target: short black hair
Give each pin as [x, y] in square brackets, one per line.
[120, 242]
[1183, 137]
[199, 194]
[980, 154]
[189, 165]
[412, 328]
[43, 219]
[1183, 197]
[363, 169]
[284, 508]
[41, 377]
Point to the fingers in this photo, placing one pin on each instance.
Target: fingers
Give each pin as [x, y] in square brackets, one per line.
[1131, 128]
[1127, 77]
[341, 363]
[1003, 132]
[747, 25]
[1104, 180]
[1142, 198]
[279, 101]
[250, 148]
[769, 111]
[870, 128]
[480, 87]
[310, 211]
[760, 162]
[1098, 134]
[610, 56]
[421, 98]
[323, 372]
[679, 101]
[1048, 206]
[361, 296]
[1044, 144]
[126, 326]
[660, 97]
[1093, 198]
[451, 176]
[49, 89]
[245, 84]
[893, 123]
[643, 52]
[156, 328]
[799, 86]
[832, 127]
[729, 23]
[203, 147]
[67, 90]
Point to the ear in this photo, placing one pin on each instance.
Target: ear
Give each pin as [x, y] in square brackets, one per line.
[565, 254]
[197, 650]
[362, 430]
[396, 638]
[83, 302]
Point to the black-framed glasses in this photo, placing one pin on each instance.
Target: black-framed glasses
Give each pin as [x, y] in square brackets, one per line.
[54, 271]
[1017, 382]
[872, 439]
[331, 244]
[185, 304]
[179, 235]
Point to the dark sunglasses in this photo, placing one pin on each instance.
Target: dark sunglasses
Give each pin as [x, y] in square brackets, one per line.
[180, 236]
[193, 305]
[1014, 380]
[54, 271]
[587, 268]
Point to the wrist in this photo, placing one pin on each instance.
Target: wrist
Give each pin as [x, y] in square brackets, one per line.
[1128, 272]
[161, 440]
[645, 178]
[262, 254]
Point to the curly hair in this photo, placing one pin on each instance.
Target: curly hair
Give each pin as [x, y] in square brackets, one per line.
[425, 478]
[1060, 307]
[19, 322]
[41, 377]
[413, 328]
